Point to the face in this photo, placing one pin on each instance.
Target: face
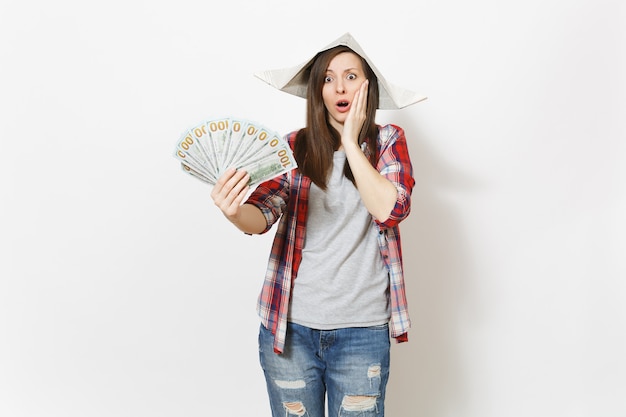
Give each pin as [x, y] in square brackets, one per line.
[344, 77]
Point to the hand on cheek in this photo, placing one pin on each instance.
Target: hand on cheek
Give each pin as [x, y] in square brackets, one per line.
[356, 116]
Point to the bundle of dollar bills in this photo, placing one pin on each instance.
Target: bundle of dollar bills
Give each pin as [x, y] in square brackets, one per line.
[207, 149]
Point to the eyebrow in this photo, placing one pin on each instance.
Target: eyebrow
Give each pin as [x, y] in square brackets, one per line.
[346, 70]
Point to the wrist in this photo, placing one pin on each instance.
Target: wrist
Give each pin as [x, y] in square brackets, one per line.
[350, 146]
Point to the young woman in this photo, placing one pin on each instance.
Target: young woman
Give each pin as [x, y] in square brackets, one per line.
[334, 289]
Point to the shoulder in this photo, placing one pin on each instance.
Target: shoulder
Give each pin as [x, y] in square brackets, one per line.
[292, 136]
[389, 133]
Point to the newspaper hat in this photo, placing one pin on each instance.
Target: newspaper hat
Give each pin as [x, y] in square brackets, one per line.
[294, 80]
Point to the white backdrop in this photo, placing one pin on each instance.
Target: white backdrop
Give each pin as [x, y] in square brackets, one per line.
[124, 292]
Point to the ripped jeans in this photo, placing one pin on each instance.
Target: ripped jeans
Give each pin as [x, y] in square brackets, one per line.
[348, 366]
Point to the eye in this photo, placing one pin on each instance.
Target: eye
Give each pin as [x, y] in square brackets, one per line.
[351, 76]
[328, 79]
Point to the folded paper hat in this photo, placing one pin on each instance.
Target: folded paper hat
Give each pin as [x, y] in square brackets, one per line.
[294, 80]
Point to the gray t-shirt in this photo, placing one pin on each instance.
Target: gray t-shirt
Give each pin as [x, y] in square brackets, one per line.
[342, 280]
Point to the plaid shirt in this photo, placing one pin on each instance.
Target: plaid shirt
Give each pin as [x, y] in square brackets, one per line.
[285, 198]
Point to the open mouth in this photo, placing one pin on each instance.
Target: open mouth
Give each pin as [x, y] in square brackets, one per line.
[342, 103]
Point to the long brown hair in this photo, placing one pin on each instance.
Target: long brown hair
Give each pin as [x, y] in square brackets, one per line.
[316, 143]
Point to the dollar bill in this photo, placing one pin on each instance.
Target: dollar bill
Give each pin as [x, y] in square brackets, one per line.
[191, 171]
[207, 149]
[270, 165]
[188, 151]
[219, 131]
[204, 147]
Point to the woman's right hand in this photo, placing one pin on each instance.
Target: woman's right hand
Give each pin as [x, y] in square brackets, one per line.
[229, 192]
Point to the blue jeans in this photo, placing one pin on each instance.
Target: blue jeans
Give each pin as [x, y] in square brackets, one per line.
[350, 366]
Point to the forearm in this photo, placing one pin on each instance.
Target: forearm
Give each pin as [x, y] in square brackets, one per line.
[249, 219]
[379, 195]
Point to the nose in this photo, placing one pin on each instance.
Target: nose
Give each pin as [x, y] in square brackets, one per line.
[340, 87]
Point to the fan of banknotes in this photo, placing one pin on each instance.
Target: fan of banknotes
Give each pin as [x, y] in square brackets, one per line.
[207, 149]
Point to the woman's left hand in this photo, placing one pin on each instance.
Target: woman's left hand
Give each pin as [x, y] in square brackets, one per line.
[356, 117]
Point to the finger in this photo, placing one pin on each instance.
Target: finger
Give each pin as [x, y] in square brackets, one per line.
[230, 204]
[356, 107]
[222, 180]
[357, 104]
[238, 182]
[233, 188]
[225, 184]
[363, 96]
[242, 194]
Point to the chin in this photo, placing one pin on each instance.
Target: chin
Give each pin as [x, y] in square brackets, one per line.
[341, 119]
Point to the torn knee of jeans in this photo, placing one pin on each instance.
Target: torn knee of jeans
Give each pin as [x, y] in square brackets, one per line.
[294, 384]
[295, 408]
[358, 402]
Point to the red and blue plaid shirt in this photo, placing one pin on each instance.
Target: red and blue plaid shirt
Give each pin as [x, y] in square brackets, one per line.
[285, 198]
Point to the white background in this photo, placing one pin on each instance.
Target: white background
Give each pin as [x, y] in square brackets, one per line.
[124, 292]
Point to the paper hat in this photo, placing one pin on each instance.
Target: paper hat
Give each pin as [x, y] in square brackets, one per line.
[294, 80]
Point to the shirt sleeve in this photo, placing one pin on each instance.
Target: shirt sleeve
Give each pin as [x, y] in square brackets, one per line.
[394, 164]
[271, 198]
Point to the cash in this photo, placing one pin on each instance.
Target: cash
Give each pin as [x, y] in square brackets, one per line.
[209, 148]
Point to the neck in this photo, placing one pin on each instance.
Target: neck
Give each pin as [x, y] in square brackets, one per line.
[338, 126]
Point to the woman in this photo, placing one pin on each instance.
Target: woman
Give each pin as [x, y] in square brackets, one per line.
[334, 288]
